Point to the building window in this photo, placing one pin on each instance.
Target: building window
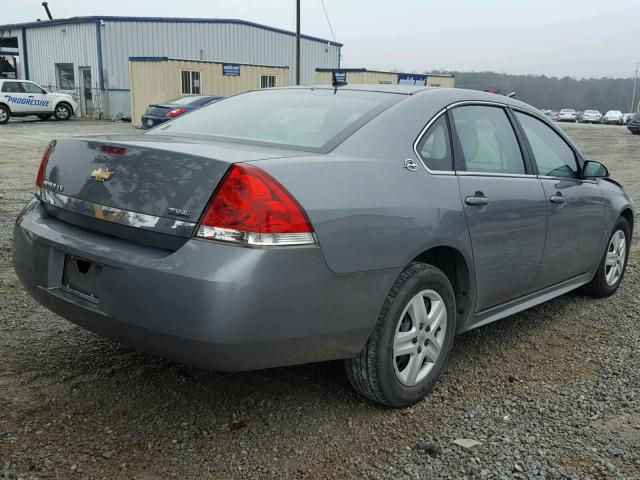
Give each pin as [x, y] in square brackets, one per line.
[190, 82]
[66, 78]
[268, 81]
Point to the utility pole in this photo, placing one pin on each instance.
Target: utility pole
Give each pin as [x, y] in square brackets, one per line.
[298, 42]
[633, 97]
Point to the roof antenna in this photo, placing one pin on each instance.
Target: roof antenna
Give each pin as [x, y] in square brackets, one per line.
[335, 83]
[46, 7]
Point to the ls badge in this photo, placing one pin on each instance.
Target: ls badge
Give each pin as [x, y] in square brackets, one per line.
[101, 175]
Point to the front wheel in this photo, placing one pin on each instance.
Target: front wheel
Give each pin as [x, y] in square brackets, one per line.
[613, 264]
[4, 114]
[411, 341]
[62, 112]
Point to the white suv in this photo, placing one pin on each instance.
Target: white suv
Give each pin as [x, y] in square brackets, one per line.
[20, 98]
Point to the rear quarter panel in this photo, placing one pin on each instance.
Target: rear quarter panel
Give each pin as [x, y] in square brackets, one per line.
[368, 211]
[373, 214]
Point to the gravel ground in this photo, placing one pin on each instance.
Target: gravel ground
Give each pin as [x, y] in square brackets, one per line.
[550, 393]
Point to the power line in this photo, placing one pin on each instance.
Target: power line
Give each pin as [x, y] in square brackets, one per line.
[328, 21]
[233, 10]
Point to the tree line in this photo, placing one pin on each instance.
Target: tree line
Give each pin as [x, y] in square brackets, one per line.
[555, 93]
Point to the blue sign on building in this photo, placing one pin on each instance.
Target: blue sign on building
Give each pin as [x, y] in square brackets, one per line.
[230, 70]
[411, 79]
[340, 76]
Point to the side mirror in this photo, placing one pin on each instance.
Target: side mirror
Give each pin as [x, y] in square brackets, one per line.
[593, 169]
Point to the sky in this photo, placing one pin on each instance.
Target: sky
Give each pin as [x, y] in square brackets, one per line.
[578, 38]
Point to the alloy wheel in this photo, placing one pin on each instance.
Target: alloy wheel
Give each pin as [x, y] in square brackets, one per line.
[62, 112]
[419, 337]
[616, 256]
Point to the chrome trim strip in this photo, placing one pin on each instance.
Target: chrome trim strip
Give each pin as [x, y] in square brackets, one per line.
[477, 102]
[575, 179]
[117, 215]
[415, 145]
[496, 174]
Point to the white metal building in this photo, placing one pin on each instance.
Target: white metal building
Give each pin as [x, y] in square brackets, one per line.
[90, 55]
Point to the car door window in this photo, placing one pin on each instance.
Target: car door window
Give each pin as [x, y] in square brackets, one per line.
[487, 141]
[551, 153]
[32, 88]
[435, 148]
[12, 87]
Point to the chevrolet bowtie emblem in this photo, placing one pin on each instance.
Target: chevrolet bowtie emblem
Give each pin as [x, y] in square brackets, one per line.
[101, 175]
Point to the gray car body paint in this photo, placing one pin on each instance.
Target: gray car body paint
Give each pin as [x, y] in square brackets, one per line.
[227, 307]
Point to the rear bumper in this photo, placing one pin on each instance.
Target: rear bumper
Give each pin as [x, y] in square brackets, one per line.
[155, 121]
[207, 304]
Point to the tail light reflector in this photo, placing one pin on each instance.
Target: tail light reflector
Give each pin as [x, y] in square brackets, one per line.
[113, 150]
[250, 207]
[43, 164]
[176, 112]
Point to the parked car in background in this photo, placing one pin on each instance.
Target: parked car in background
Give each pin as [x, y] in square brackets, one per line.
[613, 117]
[626, 118]
[591, 116]
[158, 114]
[634, 124]
[267, 229]
[568, 115]
[23, 98]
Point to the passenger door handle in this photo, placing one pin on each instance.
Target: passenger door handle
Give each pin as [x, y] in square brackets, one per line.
[477, 200]
[558, 199]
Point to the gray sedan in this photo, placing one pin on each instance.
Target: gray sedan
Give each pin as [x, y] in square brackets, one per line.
[294, 225]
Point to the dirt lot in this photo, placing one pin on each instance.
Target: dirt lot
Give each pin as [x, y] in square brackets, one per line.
[550, 393]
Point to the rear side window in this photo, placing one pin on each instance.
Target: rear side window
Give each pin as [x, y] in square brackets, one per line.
[487, 141]
[32, 88]
[434, 147]
[294, 118]
[12, 87]
[551, 153]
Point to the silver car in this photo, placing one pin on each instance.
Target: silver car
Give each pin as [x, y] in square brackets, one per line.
[613, 117]
[591, 116]
[294, 225]
[568, 115]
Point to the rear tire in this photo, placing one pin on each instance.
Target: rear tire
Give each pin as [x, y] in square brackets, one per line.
[63, 111]
[4, 114]
[44, 116]
[613, 264]
[418, 317]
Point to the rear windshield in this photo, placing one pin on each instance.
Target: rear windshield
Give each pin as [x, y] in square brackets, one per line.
[307, 119]
[186, 100]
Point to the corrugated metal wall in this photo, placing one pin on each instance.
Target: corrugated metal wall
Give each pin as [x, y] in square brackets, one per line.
[218, 42]
[154, 82]
[445, 81]
[72, 43]
[433, 80]
[370, 78]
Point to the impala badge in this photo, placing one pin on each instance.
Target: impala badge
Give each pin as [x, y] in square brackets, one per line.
[101, 175]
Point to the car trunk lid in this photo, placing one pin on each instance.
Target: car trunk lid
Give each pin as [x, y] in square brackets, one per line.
[150, 182]
[159, 110]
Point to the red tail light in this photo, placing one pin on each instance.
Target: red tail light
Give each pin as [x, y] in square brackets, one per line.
[251, 207]
[43, 164]
[113, 150]
[176, 112]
